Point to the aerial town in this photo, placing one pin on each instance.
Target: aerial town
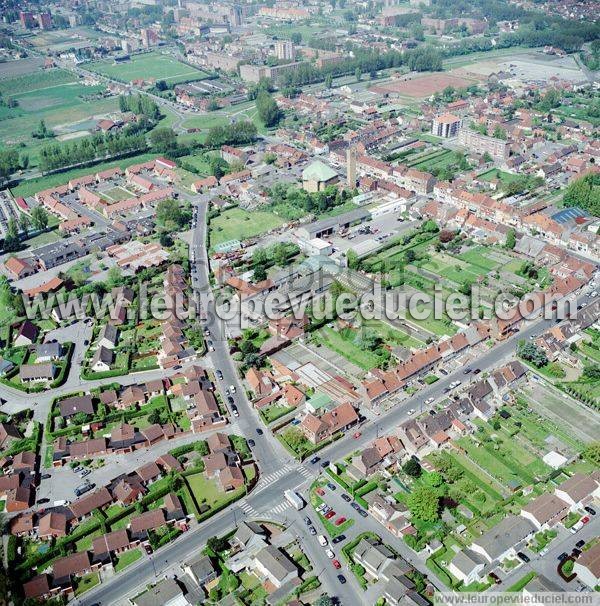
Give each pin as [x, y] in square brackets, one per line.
[299, 302]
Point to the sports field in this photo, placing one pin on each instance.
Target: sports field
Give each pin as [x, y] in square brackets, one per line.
[148, 66]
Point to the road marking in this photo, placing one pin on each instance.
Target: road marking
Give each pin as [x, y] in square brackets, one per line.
[247, 508]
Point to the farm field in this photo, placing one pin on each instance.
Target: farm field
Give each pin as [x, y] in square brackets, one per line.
[148, 66]
[238, 224]
[58, 98]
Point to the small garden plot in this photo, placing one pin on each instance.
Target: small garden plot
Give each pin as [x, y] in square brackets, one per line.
[117, 193]
[274, 411]
[346, 344]
[480, 258]
[495, 173]
[127, 558]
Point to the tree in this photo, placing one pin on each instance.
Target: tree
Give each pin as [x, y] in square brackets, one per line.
[358, 74]
[154, 416]
[352, 258]
[296, 38]
[323, 600]
[170, 216]
[11, 240]
[259, 274]
[499, 133]
[434, 479]
[591, 453]
[217, 544]
[532, 353]
[584, 192]
[163, 140]
[592, 372]
[24, 223]
[114, 277]
[218, 167]
[42, 131]
[412, 468]
[166, 240]
[328, 81]
[161, 85]
[424, 504]
[267, 108]
[511, 239]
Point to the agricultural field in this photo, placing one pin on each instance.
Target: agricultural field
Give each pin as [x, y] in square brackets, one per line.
[148, 66]
[57, 97]
[239, 224]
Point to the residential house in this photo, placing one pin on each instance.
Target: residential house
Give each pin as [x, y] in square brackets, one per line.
[48, 352]
[75, 404]
[579, 490]
[37, 373]
[101, 360]
[587, 567]
[273, 565]
[500, 541]
[467, 566]
[201, 571]
[108, 336]
[27, 334]
[52, 525]
[546, 511]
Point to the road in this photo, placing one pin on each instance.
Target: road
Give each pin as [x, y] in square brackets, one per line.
[269, 453]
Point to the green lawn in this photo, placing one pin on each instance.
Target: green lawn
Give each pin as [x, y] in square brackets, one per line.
[239, 224]
[393, 336]
[148, 66]
[127, 558]
[87, 582]
[345, 347]
[496, 173]
[205, 490]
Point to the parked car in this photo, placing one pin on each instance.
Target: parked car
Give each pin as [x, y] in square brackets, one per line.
[148, 548]
[523, 557]
[330, 554]
[331, 486]
[230, 400]
[346, 497]
[342, 579]
[251, 443]
[355, 505]
[495, 578]
[259, 431]
[591, 511]
[85, 472]
[580, 544]
[324, 464]
[232, 388]
[563, 556]
[46, 476]
[466, 371]
[42, 501]
[307, 521]
[311, 530]
[329, 515]
[477, 371]
[336, 564]
[575, 553]
[340, 521]
[320, 491]
[323, 542]
[235, 411]
[363, 513]
[339, 538]
[219, 374]
[357, 435]
[585, 519]
[315, 460]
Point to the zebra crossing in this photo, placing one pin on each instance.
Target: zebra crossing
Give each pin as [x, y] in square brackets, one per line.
[247, 508]
[272, 477]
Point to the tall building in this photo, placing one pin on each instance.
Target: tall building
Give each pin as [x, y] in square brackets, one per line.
[149, 37]
[26, 19]
[284, 50]
[45, 20]
[446, 125]
[476, 142]
[351, 166]
[235, 16]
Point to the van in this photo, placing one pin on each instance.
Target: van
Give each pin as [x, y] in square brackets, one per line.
[322, 540]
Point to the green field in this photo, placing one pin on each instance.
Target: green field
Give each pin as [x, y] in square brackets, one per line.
[239, 224]
[496, 173]
[345, 347]
[55, 96]
[148, 66]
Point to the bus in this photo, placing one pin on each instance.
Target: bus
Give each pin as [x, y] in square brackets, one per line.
[294, 499]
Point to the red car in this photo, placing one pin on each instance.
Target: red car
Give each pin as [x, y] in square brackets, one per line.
[585, 519]
[329, 515]
[320, 491]
[336, 564]
[357, 435]
[340, 521]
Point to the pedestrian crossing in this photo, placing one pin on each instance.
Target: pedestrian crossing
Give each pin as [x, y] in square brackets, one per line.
[272, 477]
[247, 508]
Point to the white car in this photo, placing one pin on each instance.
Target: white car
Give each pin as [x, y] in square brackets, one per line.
[330, 554]
[232, 388]
[594, 293]
[411, 411]
[323, 542]
[429, 401]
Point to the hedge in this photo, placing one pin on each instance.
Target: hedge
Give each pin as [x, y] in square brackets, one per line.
[62, 375]
[92, 376]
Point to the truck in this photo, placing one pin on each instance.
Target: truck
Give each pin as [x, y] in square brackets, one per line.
[83, 488]
[294, 499]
